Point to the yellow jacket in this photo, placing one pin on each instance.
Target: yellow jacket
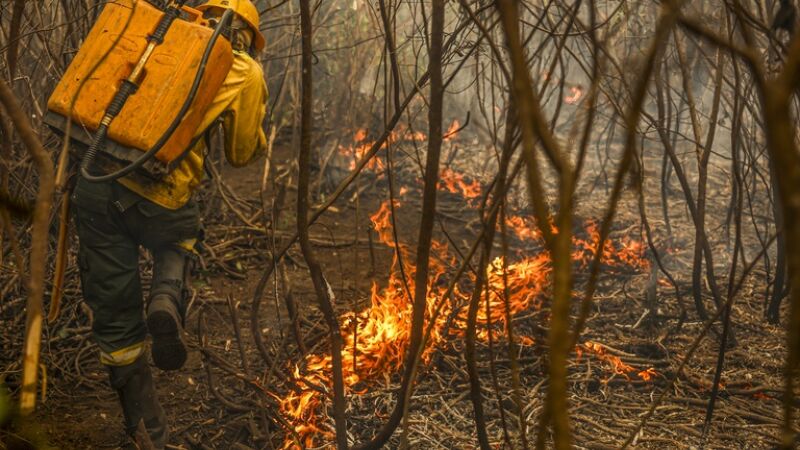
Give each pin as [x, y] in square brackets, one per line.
[241, 103]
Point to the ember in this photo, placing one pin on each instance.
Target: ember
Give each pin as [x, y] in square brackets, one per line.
[576, 92]
[619, 367]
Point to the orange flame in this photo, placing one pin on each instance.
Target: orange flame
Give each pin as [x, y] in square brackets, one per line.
[452, 132]
[616, 363]
[361, 146]
[377, 338]
[523, 228]
[647, 374]
[456, 183]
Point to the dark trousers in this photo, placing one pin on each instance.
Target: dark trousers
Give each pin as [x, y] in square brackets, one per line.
[112, 223]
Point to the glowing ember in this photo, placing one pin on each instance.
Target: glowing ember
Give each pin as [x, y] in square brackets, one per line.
[761, 396]
[576, 92]
[616, 363]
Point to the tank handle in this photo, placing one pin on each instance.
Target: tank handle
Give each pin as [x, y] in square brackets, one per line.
[195, 16]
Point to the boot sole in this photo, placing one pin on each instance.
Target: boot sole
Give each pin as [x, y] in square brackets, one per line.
[169, 350]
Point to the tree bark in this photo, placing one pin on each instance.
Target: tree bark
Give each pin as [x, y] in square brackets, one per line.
[321, 286]
[435, 135]
[39, 239]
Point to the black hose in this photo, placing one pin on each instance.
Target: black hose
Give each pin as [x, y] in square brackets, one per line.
[99, 138]
[163, 26]
[122, 95]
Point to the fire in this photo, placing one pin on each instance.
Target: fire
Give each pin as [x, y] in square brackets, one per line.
[626, 253]
[452, 132]
[576, 92]
[456, 183]
[647, 374]
[377, 338]
[361, 146]
[616, 363]
[358, 149]
[523, 228]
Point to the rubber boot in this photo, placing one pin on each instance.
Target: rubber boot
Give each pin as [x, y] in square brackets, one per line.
[166, 309]
[137, 395]
[164, 323]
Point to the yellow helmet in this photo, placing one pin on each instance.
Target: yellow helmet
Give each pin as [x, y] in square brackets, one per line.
[246, 10]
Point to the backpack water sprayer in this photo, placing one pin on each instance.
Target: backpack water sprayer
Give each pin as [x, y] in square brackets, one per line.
[141, 84]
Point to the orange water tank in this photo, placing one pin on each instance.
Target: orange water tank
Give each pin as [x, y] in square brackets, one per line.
[108, 56]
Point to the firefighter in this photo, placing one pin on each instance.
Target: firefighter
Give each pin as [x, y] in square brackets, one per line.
[115, 218]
